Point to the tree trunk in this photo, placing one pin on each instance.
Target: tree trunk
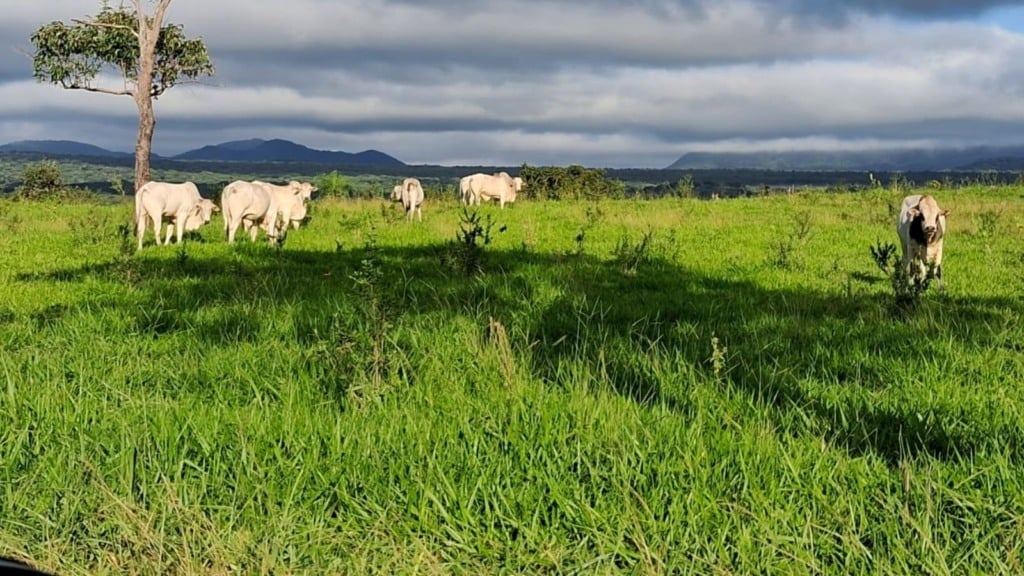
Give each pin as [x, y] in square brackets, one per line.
[144, 141]
[149, 33]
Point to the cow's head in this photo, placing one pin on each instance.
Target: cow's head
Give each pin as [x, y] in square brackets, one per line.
[305, 189]
[517, 186]
[295, 206]
[928, 216]
[201, 214]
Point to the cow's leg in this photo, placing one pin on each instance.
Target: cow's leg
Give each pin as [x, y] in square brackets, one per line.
[251, 228]
[179, 226]
[158, 221]
[167, 239]
[232, 229]
[271, 228]
[281, 219]
[140, 228]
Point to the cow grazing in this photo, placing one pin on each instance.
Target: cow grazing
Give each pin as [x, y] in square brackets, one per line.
[410, 192]
[921, 227]
[180, 204]
[500, 187]
[259, 205]
[291, 200]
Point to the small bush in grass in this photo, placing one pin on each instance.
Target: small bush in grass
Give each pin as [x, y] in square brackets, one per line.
[631, 255]
[465, 253]
[883, 255]
[783, 251]
[684, 187]
[907, 289]
[377, 313]
[41, 181]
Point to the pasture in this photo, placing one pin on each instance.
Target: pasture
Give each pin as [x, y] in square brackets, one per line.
[667, 386]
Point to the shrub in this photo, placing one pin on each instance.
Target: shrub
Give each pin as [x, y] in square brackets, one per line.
[41, 181]
[884, 256]
[332, 185]
[465, 253]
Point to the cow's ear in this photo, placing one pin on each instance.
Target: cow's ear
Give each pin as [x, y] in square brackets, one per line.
[944, 212]
[197, 210]
[216, 208]
[915, 212]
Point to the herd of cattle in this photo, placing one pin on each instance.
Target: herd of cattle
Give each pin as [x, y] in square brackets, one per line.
[273, 208]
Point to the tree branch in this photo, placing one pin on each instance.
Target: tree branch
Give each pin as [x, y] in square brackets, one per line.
[105, 25]
[22, 52]
[158, 14]
[87, 88]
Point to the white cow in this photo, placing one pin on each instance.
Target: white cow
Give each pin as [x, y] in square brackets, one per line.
[465, 190]
[517, 183]
[500, 187]
[291, 200]
[410, 192]
[180, 204]
[257, 204]
[921, 227]
[248, 205]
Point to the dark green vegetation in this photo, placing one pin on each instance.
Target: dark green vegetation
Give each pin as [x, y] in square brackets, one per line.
[602, 386]
[113, 174]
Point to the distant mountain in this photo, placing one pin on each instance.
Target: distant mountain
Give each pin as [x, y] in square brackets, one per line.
[934, 159]
[60, 148]
[258, 150]
[1000, 163]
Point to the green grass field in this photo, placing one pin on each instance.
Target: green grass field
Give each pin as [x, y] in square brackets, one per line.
[669, 386]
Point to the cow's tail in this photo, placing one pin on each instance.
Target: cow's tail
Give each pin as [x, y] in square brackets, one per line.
[137, 214]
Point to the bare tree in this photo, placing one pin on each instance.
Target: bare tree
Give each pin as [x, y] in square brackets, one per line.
[150, 56]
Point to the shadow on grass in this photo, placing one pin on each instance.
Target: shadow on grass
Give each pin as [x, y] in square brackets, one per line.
[778, 339]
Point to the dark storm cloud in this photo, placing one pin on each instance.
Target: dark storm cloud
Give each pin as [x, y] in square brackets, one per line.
[920, 8]
[602, 82]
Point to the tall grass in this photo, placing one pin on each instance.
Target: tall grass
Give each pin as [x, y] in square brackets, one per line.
[667, 396]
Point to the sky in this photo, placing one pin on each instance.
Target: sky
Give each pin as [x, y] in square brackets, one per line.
[601, 83]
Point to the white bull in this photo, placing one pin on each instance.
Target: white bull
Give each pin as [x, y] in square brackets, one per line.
[921, 227]
[180, 204]
[500, 187]
[410, 192]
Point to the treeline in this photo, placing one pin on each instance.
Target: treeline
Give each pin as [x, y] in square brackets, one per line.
[106, 175]
[569, 183]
